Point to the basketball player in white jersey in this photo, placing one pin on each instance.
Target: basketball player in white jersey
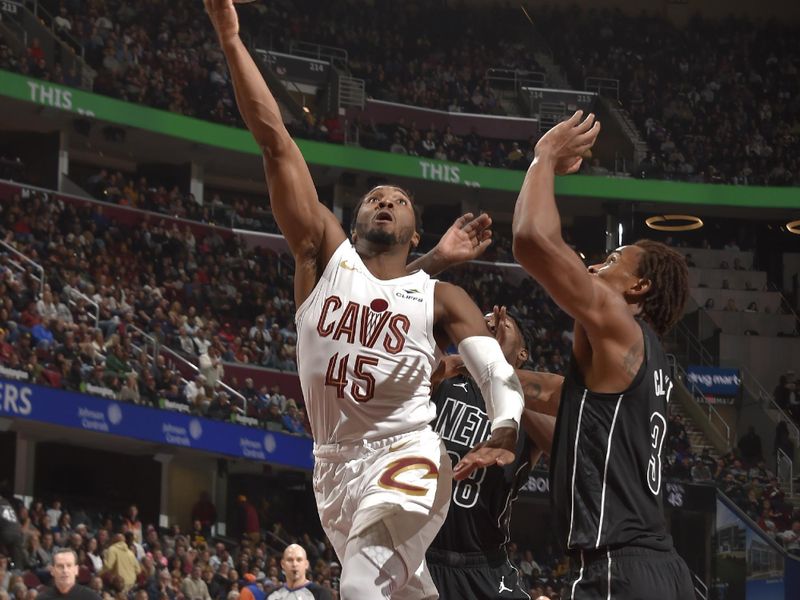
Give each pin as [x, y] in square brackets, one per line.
[368, 332]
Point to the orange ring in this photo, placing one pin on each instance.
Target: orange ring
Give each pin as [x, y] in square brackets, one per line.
[793, 227]
[696, 222]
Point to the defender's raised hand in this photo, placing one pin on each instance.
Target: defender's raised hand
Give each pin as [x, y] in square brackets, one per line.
[466, 239]
[224, 19]
[497, 450]
[568, 143]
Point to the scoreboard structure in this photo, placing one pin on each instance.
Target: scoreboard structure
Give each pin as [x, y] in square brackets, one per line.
[551, 106]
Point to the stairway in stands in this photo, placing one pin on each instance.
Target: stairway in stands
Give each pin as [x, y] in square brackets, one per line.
[697, 438]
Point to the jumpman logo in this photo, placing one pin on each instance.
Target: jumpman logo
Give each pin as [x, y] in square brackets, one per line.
[461, 385]
[503, 587]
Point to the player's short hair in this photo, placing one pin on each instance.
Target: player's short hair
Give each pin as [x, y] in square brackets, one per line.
[669, 284]
[513, 314]
[406, 193]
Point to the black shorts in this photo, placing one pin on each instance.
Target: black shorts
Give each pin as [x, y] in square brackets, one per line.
[475, 576]
[629, 573]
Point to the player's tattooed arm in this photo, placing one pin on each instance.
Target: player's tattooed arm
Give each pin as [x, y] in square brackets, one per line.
[633, 359]
[466, 239]
[542, 396]
[542, 391]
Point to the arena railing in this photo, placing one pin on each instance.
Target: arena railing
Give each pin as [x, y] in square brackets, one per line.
[29, 261]
[604, 86]
[751, 385]
[188, 367]
[715, 420]
[73, 293]
[336, 56]
[786, 471]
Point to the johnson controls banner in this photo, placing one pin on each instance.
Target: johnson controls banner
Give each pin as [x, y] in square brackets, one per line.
[19, 400]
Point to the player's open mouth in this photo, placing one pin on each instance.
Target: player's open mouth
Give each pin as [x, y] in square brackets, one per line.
[384, 216]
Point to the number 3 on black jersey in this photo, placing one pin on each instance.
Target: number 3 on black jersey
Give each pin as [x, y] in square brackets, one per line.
[658, 429]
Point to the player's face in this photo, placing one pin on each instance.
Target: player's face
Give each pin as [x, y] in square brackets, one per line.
[620, 268]
[386, 217]
[509, 337]
[294, 564]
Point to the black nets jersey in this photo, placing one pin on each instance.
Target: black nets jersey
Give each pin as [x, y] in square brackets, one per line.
[480, 508]
[605, 468]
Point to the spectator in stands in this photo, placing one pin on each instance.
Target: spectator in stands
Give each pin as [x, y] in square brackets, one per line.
[730, 306]
[35, 50]
[133, 524]
[120, 561]
[36, 558]
[785, 391]
[791, 538]
[194, 587]
[292, 422]
[750, 447]
[54, 513]
[220, 407]
[700, 472]
[94, 559]
[205, 512]
[248, 519]
[210, 365]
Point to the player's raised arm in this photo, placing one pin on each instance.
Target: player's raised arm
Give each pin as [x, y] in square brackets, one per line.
[457, 317]
[466, 239]
[311, 230]
[538, 244]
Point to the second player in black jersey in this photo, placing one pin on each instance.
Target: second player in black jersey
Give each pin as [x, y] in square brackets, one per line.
[606, 458]
[616, 501]
[467, 559]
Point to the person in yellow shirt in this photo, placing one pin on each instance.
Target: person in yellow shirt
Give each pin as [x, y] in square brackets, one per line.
[120, 560]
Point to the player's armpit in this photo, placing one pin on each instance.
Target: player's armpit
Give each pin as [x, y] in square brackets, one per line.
[542, 391]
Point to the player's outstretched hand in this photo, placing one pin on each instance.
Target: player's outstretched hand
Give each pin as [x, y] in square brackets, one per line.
[569, 142]
[500, 325]
[466, 239]
[497, 450]
[224, 18]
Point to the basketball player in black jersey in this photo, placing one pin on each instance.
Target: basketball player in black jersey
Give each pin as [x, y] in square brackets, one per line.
[605, 477]
[467, 559]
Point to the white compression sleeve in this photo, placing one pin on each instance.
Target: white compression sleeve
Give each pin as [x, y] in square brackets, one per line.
[496, 378]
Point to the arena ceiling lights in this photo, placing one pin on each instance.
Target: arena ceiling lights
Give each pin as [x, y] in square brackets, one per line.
[676, 222]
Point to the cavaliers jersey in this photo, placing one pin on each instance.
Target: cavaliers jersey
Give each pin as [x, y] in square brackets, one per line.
[366, 351]
[480, 508]
[605, 466]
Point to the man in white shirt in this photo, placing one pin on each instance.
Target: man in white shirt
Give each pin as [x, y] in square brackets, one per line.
[211, 367]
